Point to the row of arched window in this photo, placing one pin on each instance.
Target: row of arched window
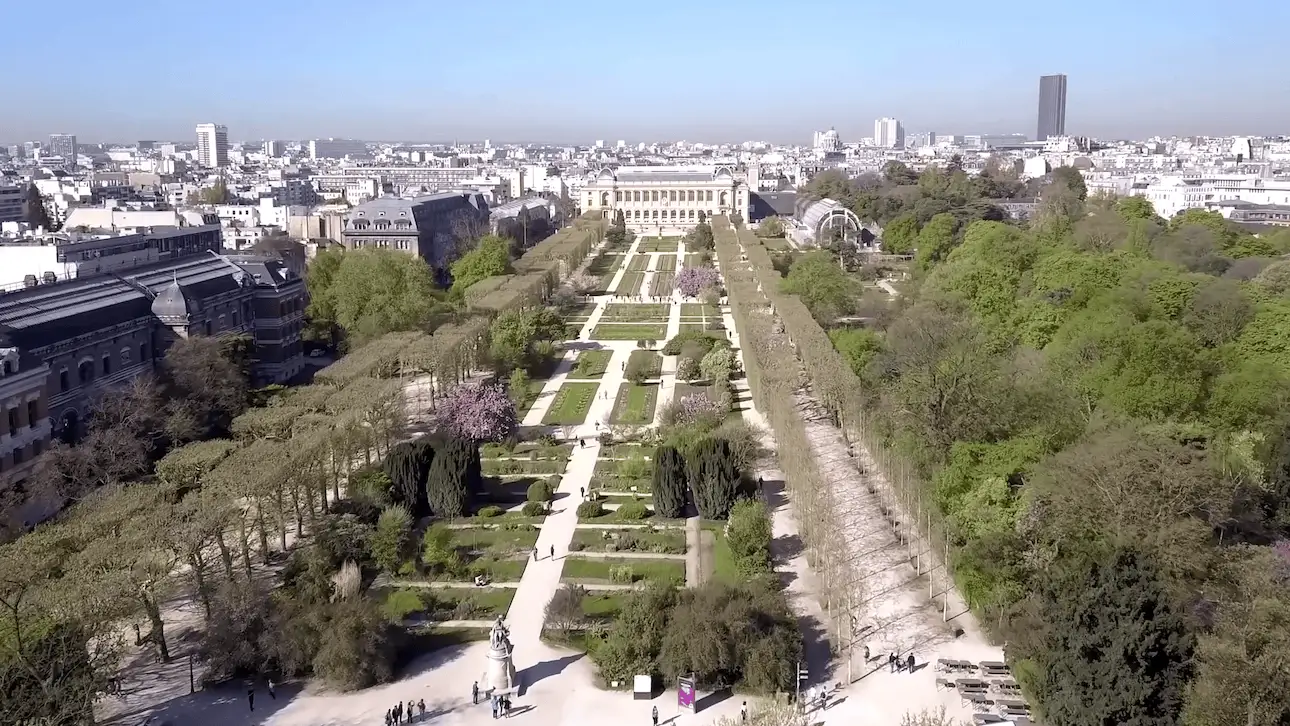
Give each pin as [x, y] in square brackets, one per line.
[380, 224]
[672, 195]
[672, 214]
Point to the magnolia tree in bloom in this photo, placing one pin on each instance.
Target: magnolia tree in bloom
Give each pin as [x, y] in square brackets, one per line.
[477, 412]
[693, 280]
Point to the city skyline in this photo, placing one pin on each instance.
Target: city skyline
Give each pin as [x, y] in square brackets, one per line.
[622, 83]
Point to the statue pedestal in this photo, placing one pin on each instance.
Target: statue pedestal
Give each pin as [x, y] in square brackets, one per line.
[500, 676]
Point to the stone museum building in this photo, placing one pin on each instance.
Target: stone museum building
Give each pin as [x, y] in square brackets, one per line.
[64, 341]
[431, 227]
[665, 200]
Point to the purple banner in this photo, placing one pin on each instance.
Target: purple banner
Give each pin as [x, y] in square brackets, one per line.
[685, 693]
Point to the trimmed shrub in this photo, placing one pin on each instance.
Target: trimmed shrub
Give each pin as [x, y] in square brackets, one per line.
[589, 510]
[534, 509]
[633, 510]
[540, 491]
[670, 485]
[489, 511]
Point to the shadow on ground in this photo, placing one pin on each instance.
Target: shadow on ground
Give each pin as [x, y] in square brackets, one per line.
[545, 669]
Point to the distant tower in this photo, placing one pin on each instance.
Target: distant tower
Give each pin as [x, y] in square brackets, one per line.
[888, 133]
[1052, 107]
[64, 145]
[212, 146]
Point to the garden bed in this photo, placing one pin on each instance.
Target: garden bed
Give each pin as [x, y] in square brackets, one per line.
[630, 284]
[522, 467]
[659, 244]
[657, 541]
[468, 603]
[650, 361]
[518, 539]
[635, 404]
[615, 571]
[698, 310]
[635, 312]
[591, 364]
[629, 331]
[571, 403]
[528, 451]
[666, 263]
[638, 263]
[716, 328]
[663, 284]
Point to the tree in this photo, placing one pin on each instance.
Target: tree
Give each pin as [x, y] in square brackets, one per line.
[454, 478]
[717, 365]
[1136, 207]
[376, 291]
[491, 257]
[407, 464]
[34, 211]
[392, 541]
[670, 484]
[477, 412]
[205, 384]
[830, 184]
[692, 281]
[901, 235]
[896, 172]
[320, 276]
[771, 226]
[858, 346]
[826, 290]
[1070, 178]
[564, 610]
[936, 240]
[214, 194]
[748, 534]
[713, 478]
[517, 337]
[1115, 649]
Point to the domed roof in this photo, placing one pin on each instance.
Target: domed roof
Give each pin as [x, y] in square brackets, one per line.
[1083, 163]
[172, 305]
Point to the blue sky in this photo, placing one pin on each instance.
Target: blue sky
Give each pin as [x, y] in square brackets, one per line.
[576, 71]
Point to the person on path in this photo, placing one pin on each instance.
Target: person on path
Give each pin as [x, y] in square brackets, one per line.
[495, 707]
[910, 663]
[582, 443]
[654, 715]
[866, 654]
[389, 717]
[743, 712]
[411, 706]
[421, 708]
[535, 560]
[891, 662]
[272, 695]
[553, 552]
[398, 715]
[474, 687]
[582, 492]
[250, 697]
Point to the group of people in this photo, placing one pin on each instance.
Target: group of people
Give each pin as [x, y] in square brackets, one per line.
[399, 714]
[896, 663]
[501, 704]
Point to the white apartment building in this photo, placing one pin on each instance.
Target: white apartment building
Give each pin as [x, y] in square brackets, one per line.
[888, 133]
[212, 146]
[665, 200]
[1173, 194]
[337, 149]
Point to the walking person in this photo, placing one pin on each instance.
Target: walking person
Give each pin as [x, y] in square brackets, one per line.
[250, 698]
[910, 663]
[389, 717]
[891, 662]
[474, 687]
[411, 705]
[866, 654]
[553, 552]
[535, 560]
[582, 492]
[272, 694]
[743, 712]
[654, 715]
[495, 706]
[421, 708]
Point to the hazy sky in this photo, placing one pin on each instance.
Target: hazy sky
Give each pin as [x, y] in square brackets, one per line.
[576, 71]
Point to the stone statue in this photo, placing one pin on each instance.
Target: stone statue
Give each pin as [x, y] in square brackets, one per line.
[500, 676]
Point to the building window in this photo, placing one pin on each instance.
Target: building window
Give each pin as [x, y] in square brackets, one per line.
[208, 327]
[709, 195]
[691, 195]
[85, 371]
[636, 196]
[13, 420]
[235, 318]
[672, 195]
[143, 351]
[653, 196]
[125, 356]
[62, 380]
[221, 321]
[618, 196]
[8, 368]
[33, 412]
[17, 456]
[107, 365]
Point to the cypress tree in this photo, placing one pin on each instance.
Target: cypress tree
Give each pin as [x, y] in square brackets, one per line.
[670, 485]
[407, 465]
[714, 480]
[450, 477]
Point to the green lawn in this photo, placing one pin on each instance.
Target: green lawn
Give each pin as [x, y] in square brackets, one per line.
[530, 450]
[604, 267]
[591, 364]
[611, 517]
[662, 284]
[602, 605]
[638, 263]
[518, 540]
[698, 310]
[629, 331]
[630, 284]
[571, 404]
[723, 560]
[694, 259]
[469, 603]
[659, 244]
[776, 244]
[622, 451]
[635, 312]
[521, 467]
[599, 570]
[661, 541]
[635, 404]
[499, 570]
[713, 326]
[666, 263]
[652, 361]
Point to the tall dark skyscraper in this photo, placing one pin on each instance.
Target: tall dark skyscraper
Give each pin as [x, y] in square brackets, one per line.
[1052, 107]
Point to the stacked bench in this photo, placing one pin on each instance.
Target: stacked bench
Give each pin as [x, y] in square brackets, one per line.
[995, 695]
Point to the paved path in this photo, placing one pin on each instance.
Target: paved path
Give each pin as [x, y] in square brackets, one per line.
[693, 553]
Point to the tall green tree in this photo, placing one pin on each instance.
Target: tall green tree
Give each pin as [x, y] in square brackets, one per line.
[1116, 650]
[825, 289]
[391, 542]
[900, 237]
[34, 211]
[377, 291]
[713, 478]
[670, 485]
[454, 478]
[408, 465]
[1070, 178]
[490, 257]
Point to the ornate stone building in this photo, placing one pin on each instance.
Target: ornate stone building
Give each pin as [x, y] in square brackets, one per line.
[666, 200]
[431, 227]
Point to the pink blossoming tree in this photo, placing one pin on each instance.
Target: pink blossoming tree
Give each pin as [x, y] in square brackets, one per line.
[692, 281]
[477, 412]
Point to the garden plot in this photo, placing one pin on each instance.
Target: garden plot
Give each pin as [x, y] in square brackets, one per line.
[635, 313]
[666, 263]
[635, 404]
[591, 364]
[663, 284]
[619, 571]
[630, 284]
[570, 405]
[629, 331]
